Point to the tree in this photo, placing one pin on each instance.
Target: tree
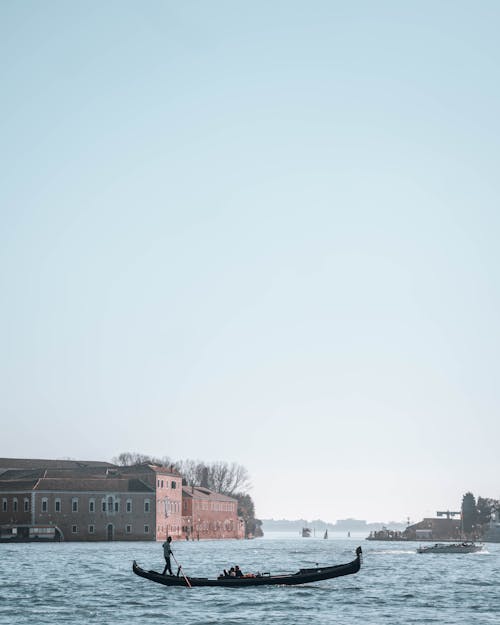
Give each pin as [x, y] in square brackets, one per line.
[469, 512]
[222, 477]
[129, 458]
[246, 510]
[485, 508]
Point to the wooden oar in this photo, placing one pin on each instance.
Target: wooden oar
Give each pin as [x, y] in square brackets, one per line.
[181, 570]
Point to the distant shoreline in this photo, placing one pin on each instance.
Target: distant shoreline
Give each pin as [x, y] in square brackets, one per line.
[345, 525]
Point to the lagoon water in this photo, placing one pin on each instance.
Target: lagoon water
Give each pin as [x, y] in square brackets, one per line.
[81, 583]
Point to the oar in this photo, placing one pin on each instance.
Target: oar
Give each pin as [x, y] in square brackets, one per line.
[181, 570]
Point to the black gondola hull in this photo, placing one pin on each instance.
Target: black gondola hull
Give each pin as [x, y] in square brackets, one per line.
[304, 576]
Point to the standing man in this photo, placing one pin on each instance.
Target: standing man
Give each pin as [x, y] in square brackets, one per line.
[167, 552]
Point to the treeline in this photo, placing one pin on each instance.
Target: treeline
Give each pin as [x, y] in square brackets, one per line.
[230, 479]
[477, 514]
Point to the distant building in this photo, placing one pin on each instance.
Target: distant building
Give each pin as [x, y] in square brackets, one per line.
[434, 529]
[207, 514]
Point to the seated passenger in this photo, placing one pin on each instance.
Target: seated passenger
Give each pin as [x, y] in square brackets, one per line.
[237, 571]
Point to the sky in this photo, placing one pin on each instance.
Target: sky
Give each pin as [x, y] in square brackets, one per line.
[257, 232]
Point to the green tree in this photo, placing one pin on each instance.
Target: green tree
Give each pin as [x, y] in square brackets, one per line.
[469, 512]
[246, 510]
[485, 507]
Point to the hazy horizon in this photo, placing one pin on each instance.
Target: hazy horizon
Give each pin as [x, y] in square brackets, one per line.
[265, 233]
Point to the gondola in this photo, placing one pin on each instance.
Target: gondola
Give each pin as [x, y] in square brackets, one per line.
[303, 576]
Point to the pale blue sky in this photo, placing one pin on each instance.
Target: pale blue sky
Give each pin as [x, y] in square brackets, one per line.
[262, 232]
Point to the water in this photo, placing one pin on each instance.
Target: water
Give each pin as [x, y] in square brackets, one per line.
[81, 583]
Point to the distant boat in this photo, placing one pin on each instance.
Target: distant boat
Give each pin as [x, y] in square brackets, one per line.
[326, 534]
[450, 548]
[306, 532]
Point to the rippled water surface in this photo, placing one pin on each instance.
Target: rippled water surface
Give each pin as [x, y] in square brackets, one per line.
[93, 583]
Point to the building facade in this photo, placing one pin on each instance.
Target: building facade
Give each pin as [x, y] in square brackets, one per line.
[207, 514]
[75, 508]
[434, 529]
[167, 484]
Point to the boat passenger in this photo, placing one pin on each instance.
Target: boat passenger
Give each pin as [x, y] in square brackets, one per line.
[237, 571]
[232, 572]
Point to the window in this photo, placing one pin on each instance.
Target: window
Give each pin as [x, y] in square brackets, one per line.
[129, 505]
[14, 504]
[146, 505]
[57, 505]
[74, 529]
[91, 505]
[174, 484]
[162, 483]
[110, 504]
[117, 506]
[26, 505]
[146, 529]
[128, 529]
[74, 504]
[91, 529]
[4, 505]
[104, 505]
[45, 504]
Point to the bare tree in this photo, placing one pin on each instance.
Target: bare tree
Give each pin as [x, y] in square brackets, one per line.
[127, 458]
[221, 477]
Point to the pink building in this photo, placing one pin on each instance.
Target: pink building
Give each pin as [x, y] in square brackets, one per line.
[167, 484]
[207, 514]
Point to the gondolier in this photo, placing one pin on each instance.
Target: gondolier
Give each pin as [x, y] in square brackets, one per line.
[167, 552]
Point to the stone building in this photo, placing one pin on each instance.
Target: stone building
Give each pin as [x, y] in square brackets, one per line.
[34, 504]
[167, 485]
[207, 514]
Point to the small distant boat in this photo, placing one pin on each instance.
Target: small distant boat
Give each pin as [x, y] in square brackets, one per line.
[326, 534]
[450, 548]
[303, 576]
[306, 532]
